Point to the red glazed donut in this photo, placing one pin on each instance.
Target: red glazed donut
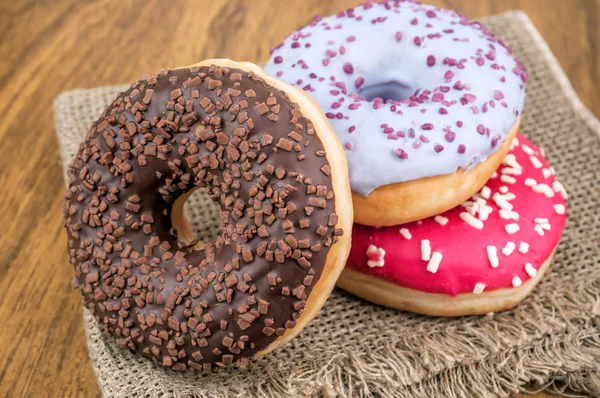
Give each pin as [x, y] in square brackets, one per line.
[484, 255]
[266, 153]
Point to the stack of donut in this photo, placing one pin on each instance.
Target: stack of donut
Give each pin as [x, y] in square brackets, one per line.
[456, 213]
[408, 111]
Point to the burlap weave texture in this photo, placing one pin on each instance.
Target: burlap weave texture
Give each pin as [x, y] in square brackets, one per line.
[353, 348]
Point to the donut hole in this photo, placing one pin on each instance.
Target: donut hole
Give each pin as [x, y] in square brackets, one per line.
[389, 90]
[195, 216]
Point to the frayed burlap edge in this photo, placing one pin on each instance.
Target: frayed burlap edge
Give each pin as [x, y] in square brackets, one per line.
[551, 340]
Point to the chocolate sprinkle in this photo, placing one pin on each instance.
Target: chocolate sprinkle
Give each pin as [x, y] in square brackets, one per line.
[210, 127]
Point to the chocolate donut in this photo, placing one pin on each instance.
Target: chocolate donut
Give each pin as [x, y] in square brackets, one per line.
[267, 155]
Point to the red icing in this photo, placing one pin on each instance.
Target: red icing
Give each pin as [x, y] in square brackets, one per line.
[463, 247]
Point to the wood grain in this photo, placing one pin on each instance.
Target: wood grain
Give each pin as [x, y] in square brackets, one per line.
[50, 46]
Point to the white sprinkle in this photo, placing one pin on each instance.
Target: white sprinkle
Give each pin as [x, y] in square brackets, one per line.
[509, 196]
[515, 141]
[552, 170]
[546, 226]
[509, 248]
[486, 192]
[540, 220]
[441, 220]
[530, 182]
[503, 189]
[472, 221]
[478, 289]
[516, 281]
[530, 269]
[523, 247]
[543, 152]
[405, 233]
[425, 250]
[434, 263]
[546, 172]
[494, 175]
[508, 179]
[558, 187]
[559, 209]
[511, 160]
[419, 222]
[512, 171]
[539, 230]
[474, 208]
[536, 162]
[509, 215]
[485, 211]
[545, 189]
[512, 228]
[379, 252]
[502, 202]
[492, 254]
[481, 202]
[527, 149]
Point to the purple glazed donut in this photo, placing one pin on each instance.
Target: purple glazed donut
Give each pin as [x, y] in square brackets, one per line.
[412, 91]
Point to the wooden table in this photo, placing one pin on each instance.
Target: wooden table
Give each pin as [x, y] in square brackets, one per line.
[50, 46]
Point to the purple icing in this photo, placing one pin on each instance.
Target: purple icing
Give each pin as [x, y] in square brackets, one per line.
[414, 91]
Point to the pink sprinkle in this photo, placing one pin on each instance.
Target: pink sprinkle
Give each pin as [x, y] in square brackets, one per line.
[336, 105]
[437, 97]
[353, 106]
[498, 95]
[330, 115]
[443, 111]
[430, 13]
[330, 53]
[470, 98]
[481, 129]
[438, 148]
[401, 153]
[339, 115]
[450, 136]
[359, 82]
[350, 38]
[279, 73]
[278, 59]
[474, 109]
[342, 50]
[334, 92]
[418, 40]
[417, 144]
[312, 76]
[414, 21]
[424, 139]
[326, 62]
[430, 60]
[388, 130]
[348, 68]
[480, 61]
[398, 36]
[448, 75]
[349, 145]
[495, 141]
[384, 125]
[459, 123]
[427, 126]
[503, 79]
[462, 149]
[351, 129]
[411, 132]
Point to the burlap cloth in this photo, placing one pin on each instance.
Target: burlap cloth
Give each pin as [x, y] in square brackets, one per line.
[353, 348]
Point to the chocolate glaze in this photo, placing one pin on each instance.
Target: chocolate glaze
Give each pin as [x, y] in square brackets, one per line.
[255, 154]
